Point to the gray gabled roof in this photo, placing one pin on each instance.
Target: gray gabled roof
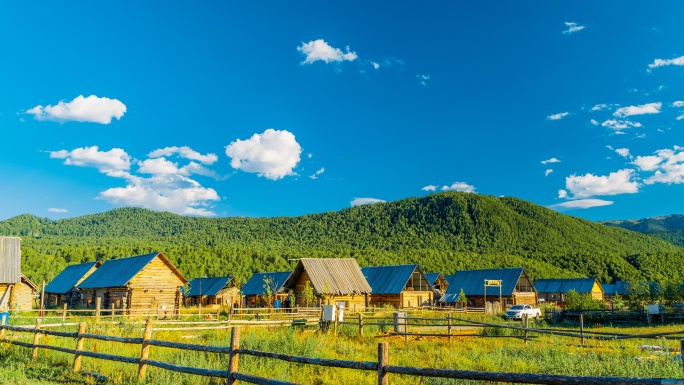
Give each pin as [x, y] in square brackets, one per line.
[207, 286]
[564, 285]
[255, 285]
[118, 272]
[69, 277]
[389, 279]
[336, 276]
[472, 283]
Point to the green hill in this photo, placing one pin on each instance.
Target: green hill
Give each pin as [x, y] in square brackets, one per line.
[669, 228]
[443, 232]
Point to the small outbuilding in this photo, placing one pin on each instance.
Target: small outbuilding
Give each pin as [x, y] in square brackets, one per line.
[439, 284]
[62, 289]
[402, 286]
[254, 289]
[510, 285]
[214, 292]
[612, 290]
[21, 296]
[10, 269]
[554, 289]
[146, 282]
[336, 281]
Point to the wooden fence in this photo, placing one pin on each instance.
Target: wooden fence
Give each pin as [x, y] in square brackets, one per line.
[382, 366]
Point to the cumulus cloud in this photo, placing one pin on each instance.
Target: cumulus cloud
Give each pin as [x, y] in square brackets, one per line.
[558, 116]
[582, 204]
[647, 163]
[619, 124]
[667, 62]
[91, 109]
[317, 173]
[680, 117]
[375, 65]
[589, 185]
[365, 201]
[649, 108]
[112, 162]
[547, 172]
[272, 154]
[459, 186]
[600, 107]
[624, 152]
[562, 194]
[423, 79]
[668, 166]
[594, 122]
[430, 187]
[572, 27]
[678, 103]
[184, 152]
[316, 50]
[57, 210]
[552, 160]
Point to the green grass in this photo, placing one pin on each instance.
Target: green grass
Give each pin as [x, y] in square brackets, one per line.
[546, 354]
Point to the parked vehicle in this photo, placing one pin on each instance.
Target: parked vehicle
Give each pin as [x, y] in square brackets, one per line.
[517, 312]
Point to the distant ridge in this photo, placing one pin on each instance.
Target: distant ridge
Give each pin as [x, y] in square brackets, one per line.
[668, 227]
[442, 232]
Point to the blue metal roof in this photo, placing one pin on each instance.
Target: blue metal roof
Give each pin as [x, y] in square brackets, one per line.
[67, 279]
[432, 278]
[255, 285]
[118, 272]
[617, 288]
[472, 283]
[388, 279]
[207, 286]
[564, 285]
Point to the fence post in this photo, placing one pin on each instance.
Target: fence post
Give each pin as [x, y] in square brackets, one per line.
[582, 328]
[681, 351]
[112, 311]
[145, 350]
[383, 360]
[527, 324]
[98, 303]
[79, 346]
[36, 339]
[449, 326]
[233, 356]
[64, 312]
[361, 324]
[3, 322]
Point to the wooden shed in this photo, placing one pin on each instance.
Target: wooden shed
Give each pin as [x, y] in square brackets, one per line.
[439, 284]
[146, 282]
[512, 285]
[214, 292]
[62, 289]
[554, 289]
[336, 281]
[21, 296]
[402, 286]
[255, 287]
[10, 269]
[612, 290]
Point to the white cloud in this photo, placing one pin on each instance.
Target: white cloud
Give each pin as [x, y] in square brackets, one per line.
[667, 164]
[666, 62]
[184, 152]
[680, 117]
[375, 65]
[57, 210]
[552, 160]
[112, 162]
[158, 166]
[600, 107]
[430, 187]
[273, 154]
[589, 185]
[365, 201]
[562, 194]
[91, 109]
[647, 163]
[582, 204]
[320, 50]
[423, 79]
[678, 103]
[572, 28]
[594, 122]
[649, 108]
[624, 152]
[620, 124]
[547, 172]
[459, 186]
[317, 173]
[558, 116]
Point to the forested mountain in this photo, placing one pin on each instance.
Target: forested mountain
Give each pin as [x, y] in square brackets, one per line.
[669, 228]
[443, 232]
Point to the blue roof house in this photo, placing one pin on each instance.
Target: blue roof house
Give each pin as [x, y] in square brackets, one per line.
[555, 289]
[254, 289]
[511, 286]
[63, 288]
[214, 292]
[402, 286]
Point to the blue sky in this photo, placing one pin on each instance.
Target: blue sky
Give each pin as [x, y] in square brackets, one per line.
[289, 108]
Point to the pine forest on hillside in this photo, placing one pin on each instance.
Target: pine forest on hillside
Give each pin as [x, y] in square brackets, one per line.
[442, 232]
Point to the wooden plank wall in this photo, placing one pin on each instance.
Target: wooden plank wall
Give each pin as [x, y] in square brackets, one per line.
[10, 260]
[155, 287]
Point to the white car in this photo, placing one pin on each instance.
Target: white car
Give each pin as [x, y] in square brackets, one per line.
[517, 312]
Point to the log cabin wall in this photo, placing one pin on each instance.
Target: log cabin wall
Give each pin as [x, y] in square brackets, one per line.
[22, 297]
[525, 298]
[155, 287]
[416, 298]
[5, 294]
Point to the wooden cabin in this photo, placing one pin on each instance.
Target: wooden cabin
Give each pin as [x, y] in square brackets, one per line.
[402, 286]
[62, 289]
[21, 296]
[439, 284]
[337, 281]
[511, 286]
[612, 290]
[146, 282]
[10, 270]
[255, 288]
[214, 292]
[553, 290]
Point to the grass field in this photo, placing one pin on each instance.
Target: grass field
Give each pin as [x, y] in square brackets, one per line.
[545, 354]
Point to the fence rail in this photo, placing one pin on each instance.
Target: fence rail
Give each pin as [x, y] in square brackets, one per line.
[232, 374]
